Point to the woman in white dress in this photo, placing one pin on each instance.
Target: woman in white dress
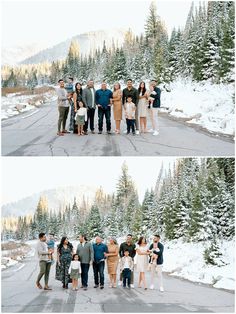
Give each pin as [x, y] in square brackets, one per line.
[142, 261]
[142, 107]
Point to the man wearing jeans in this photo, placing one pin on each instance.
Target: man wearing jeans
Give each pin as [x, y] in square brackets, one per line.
[103, 100]
[86, 256]
[88, 97]
[99, 249]
[44, 261]
[159, 262]
[63, 107]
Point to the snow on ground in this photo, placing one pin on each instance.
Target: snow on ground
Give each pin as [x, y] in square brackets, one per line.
[14, 252]
[185, 260]
[7, 262]
[205, 104]
[14, 104]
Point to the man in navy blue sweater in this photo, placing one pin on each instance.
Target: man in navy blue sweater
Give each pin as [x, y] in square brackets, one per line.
[99, 249]
[156, 106]
[103, 98]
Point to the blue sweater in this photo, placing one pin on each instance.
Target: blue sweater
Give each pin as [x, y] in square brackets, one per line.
[103, 97]
[99, 250]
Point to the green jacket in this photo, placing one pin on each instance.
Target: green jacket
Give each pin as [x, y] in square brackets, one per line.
[85, 253]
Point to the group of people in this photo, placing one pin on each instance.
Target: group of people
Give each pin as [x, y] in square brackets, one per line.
[73, 265]
[137, 104]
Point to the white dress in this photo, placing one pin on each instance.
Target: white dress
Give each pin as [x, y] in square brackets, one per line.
[142, 260]
[142, 107]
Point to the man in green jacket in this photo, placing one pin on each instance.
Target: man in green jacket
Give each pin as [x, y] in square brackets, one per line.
[86, 255]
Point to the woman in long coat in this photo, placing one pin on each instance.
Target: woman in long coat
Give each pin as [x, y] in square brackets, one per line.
[112, 261]
[64, 257]
[117, 106]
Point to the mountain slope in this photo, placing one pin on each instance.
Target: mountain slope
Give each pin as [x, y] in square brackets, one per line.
[57, 198]
[15, 54]
[88, 42]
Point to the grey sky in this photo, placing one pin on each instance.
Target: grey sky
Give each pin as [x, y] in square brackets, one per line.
[25, 176]
[49, 22]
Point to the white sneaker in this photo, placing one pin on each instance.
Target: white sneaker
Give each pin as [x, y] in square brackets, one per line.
[120, 283]
[150, 131]
[155, 133]
[152, 287]
[132, 286]
[161, 289]
[137, 132]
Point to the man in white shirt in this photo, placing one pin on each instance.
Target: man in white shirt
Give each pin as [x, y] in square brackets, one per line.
[44, 261]
[63, 107]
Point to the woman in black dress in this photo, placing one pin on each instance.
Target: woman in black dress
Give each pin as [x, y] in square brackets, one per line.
[64, 257]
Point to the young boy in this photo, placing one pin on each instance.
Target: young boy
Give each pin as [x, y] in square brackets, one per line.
[126, 266]
[51, 246]
[130, 108]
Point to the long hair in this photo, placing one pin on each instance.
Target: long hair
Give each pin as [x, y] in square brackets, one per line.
[142, 89]
[62, 242]
[114, 239]
[76, 90]
[116, 84]
[141, 239]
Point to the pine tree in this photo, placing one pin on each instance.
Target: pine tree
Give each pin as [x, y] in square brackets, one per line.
[94, 223]
[137, 224]
[75, 219]
[212, 254]
[73, 58]
[41, 216]
[113, 226]
[226, 51]
[129, 211]
[118, 70]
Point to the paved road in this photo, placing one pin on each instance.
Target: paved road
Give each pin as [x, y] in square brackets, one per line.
[34, 134]
[19, 294]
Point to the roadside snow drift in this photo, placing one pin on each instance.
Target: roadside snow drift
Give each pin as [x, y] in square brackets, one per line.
[205, 104]
[185, 260]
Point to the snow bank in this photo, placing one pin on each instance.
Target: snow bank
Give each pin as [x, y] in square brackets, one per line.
[185, 260]
[205, 104]
[13, 104]
[7, 262]
[14, 252]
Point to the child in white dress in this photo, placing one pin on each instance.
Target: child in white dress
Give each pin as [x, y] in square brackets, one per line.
[81, 118]
[75, 271]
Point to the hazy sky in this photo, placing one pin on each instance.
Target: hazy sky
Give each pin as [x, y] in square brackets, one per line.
[24, 176]
[50, 22]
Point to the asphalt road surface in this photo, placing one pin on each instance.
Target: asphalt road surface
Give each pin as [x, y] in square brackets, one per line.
[19, 294]
[34, 134]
